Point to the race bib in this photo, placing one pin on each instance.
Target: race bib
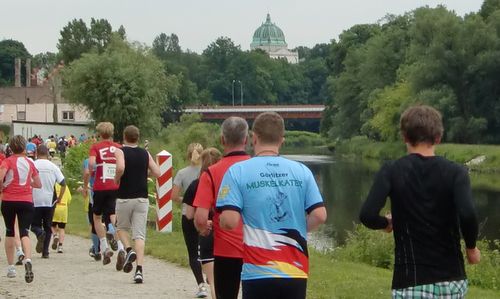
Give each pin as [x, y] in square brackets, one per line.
[108, 171]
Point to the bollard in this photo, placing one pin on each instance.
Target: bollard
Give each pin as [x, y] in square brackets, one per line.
[164, 192]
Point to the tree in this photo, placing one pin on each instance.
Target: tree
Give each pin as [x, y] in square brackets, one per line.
[76, 38]
[489, 7]
[9, 50]
[164, 45]
[123, 85]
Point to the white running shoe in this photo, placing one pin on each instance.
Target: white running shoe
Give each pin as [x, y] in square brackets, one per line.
[11, 271]
[19, 256]
[202, 291]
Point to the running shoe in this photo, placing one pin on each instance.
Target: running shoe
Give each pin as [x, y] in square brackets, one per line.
[11, 271]
[28, 276]
[202, 291]
[39, 242]
[97, 257]
[55, 241]
[91, 252]
[112, 242]
[120, 260]
[20, 257]
[60, 248]
[106, 257]
[128, 266]
[45, 255]
[138, 276]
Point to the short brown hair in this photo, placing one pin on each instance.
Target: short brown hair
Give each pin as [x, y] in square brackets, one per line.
[17, 144]
[269, 127]
[105, 129]
[421, 124]
[42, 150]
[209, 157]
[131, 134]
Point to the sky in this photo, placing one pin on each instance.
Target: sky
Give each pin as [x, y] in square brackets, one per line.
[197, 23]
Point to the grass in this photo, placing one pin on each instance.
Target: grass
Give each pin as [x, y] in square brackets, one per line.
[329, 278]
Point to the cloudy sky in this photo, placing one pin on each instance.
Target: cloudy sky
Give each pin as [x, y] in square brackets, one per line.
[199, 22]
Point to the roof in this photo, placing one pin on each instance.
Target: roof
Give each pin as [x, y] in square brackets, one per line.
[268, 34]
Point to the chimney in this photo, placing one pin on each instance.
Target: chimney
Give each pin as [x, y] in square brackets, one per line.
[17, 72]
[28, 72]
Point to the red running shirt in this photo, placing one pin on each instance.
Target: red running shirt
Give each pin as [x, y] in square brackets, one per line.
[104, 153]
[226, 243]
[17, 181]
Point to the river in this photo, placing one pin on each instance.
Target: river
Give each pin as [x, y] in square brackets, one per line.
[345, 185]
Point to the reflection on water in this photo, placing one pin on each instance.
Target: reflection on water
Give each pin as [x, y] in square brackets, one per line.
[345, 185]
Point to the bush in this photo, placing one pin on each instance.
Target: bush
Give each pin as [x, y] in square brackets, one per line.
[486, 274]
[366, 246]
[73, 164]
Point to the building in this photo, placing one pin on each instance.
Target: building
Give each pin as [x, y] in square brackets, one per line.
[270, 38]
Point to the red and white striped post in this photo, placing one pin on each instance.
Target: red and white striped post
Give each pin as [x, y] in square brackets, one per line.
[164, 192]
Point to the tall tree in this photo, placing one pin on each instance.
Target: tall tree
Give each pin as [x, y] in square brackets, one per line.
[9, 50]
[123, 85]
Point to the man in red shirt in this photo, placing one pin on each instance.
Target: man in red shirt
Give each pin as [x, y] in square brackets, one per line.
[228, 245]
[102, 156]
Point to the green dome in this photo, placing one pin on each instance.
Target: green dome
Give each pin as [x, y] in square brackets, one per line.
[268, 34]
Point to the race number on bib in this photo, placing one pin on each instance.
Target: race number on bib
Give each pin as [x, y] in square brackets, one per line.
[108, 171]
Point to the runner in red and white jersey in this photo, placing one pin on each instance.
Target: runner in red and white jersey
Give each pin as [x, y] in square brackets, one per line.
[102, 155]
[18, 175]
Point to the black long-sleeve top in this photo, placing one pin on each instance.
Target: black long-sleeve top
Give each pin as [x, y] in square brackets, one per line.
[431, 203]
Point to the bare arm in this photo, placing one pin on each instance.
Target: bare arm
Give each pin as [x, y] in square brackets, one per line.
[61, 192]
[315, 218]
[35, 182]
[91, 164]
[176, 190]
[189, 211]
[3, 171]
[154, 169]
[120, 165]
[229, 219]
[201, 221]
[86, 178]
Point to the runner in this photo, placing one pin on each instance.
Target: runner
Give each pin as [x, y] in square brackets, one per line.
[279, 202]
[88, 195]
[50, 174]
[102, 156]
[182, 180]
[431, 206]
[20, 177]
[205, 244]
[228, 245]
[132, 166]
[60, 218]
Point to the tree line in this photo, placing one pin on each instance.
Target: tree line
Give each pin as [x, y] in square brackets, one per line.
[366, 78]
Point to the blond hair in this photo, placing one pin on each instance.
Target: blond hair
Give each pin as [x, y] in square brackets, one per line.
[194, 153]
[105, 129]
[209, 157]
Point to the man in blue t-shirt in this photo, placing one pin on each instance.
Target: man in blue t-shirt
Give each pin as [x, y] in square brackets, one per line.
[279, 202]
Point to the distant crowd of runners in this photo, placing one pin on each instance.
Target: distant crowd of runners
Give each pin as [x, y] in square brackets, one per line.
[245, 219]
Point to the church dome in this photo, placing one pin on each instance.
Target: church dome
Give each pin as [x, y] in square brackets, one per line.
[268, 35]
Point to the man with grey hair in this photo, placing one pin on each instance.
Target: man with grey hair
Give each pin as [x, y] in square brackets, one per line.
[228, 244]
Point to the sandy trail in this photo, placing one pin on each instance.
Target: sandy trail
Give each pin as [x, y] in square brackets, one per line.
[73, 274]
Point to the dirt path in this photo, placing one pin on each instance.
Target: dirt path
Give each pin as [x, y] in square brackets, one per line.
[74, 274]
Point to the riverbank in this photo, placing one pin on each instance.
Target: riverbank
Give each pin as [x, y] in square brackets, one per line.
[329, 276]
[483, 160]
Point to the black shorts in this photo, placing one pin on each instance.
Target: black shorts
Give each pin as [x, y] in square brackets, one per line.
[275, 288]
[60, 225]
[104, 202]
[206, 248]
[24, 211]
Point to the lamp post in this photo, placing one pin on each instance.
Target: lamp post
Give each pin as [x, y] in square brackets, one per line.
[241, 92]
[233, 90]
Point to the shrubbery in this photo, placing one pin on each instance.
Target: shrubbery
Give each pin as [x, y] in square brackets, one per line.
[73, 164]
[376, 248]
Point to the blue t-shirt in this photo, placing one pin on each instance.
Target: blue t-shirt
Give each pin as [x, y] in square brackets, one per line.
[273, 195]
[91, 180]
[30, 147]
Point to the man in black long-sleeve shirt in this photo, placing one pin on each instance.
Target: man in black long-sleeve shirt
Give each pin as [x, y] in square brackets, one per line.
[431, 204]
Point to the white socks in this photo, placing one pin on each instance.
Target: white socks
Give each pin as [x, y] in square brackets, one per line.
[104, 244]
[120, 245]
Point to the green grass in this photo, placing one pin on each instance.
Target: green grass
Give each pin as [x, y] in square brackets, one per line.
[329, 277]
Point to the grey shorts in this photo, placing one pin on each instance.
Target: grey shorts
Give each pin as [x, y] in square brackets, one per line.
[132, 214]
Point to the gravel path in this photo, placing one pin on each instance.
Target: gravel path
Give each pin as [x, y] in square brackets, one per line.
[74, 274]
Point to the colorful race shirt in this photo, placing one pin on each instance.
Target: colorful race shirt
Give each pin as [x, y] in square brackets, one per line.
[273, 195]
[104, 153]
[17, 181]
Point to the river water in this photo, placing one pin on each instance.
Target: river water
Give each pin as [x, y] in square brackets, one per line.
[345, 185]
